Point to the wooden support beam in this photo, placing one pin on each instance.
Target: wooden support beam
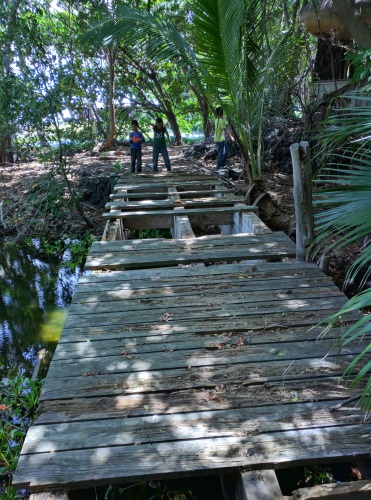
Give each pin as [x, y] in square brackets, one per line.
[229, 200]
[252, 485]
[143, 253]
[344, 491]
[249, 223]
[156, 187]
[159, 219]
[163, 195]
[50, 495]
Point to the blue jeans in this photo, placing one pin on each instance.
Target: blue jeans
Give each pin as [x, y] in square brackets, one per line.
[222, 153]
[136, 157]
[165, 155]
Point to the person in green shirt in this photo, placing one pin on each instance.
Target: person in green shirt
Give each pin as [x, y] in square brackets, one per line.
[219, 137]
[159, 144]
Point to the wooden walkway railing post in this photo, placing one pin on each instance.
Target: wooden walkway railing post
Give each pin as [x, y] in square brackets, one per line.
[302, 169]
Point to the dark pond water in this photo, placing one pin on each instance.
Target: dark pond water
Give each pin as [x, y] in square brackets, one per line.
[34, 295]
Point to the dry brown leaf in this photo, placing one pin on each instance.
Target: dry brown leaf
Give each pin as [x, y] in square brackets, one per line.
[167, 316]
[212, 396]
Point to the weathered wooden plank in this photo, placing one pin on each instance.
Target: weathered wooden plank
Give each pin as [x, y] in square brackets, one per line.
[75, 332]
[187, 340]
[148, 247]
[191, 425]
[230, 396]
[72, 347]
[260, 247]
[344, 491]
[163, 183]
[164, 195]
[207, 313]
[126, 301]
[160, 177]
[229, 200]
[78, 468]
[193, 377]
[118, 214]
[173, 245]
[113, 291]
[164, 360]
[50, 495]
[258, 270]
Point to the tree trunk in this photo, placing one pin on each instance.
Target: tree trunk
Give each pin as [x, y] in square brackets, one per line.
[4, 142]
[344, 18]
[352, 18]
[111, 101]
[205, 115]
[174, 127]
[204, 107]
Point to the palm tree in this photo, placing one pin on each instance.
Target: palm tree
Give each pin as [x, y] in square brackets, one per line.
[238, 72]
[346, 217]
[227, 61]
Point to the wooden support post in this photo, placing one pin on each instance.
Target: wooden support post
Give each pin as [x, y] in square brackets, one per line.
[364, 467]
[40, 356]
[302, 168]
[249, 223]
[113, 231]
[324, 263]
[252, 485]
[225, 229]
[182, 227]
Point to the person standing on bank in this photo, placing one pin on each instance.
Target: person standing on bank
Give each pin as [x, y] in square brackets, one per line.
[159, 144]
[136, 138]
[219, 137]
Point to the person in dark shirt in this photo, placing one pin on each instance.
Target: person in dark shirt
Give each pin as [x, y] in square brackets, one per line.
[136, 138]
[159, 144]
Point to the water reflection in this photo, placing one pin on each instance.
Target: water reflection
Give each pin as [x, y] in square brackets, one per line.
[34, 295]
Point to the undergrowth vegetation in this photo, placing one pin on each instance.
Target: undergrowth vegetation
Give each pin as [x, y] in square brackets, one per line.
[19, 399]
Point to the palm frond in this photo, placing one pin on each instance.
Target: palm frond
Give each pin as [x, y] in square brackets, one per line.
[220, 40]
[159, 36]
[346, 219]
[359, 368]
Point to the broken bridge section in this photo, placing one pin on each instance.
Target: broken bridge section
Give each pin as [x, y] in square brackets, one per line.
[168, 367]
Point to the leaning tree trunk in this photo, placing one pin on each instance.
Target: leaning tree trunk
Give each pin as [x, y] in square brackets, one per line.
[204, 107]
[111, 101]
[174, 127]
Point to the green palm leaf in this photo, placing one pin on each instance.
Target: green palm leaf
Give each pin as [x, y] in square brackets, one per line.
[346, 218]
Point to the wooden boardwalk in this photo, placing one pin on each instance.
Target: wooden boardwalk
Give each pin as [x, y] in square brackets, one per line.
[167, 371]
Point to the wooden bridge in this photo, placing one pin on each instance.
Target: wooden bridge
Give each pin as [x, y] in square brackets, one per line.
[193, 355]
